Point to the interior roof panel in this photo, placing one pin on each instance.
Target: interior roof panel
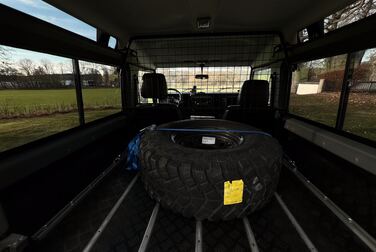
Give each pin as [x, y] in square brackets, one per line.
[127, 18]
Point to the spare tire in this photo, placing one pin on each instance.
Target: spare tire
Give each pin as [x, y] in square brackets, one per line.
[187, 171]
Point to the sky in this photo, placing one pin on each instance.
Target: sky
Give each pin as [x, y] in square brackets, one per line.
[48, 13]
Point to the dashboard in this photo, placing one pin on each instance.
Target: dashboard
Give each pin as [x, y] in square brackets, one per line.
[206, 104]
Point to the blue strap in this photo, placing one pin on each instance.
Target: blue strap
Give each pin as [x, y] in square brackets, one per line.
[255, 132]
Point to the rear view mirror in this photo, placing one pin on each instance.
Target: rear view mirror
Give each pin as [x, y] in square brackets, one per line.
[202, 76]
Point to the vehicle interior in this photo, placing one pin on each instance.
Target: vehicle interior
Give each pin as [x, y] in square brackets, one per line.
[301, 71]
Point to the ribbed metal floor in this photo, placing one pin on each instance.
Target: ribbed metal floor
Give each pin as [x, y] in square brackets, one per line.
[292, 221]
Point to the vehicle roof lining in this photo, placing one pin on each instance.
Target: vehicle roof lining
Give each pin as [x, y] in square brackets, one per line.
[126, 18]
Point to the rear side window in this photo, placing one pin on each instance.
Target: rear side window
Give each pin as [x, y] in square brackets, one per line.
[37, 96]
[360, 118]
[100, 90]
[316, 89]
[354, 12]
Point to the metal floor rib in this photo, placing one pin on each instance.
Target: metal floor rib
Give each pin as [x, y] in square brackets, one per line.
[285, 224]
[162, 230]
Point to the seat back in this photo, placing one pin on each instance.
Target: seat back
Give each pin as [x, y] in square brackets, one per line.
[154, 86]
[252, 107]
[254, 94]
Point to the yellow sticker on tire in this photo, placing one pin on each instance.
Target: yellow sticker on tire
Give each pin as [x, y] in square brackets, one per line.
[233, 192]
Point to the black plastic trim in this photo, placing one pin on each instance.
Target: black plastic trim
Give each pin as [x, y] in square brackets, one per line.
[353, 37]
[351, 136]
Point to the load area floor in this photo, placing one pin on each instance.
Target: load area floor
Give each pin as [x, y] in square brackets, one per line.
[294, 220]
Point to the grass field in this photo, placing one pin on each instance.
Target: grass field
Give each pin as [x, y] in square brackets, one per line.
[29, 103]
[28, 115]
[360, 117]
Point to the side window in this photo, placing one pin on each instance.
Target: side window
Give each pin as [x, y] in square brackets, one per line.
[316, 89]
[263, 74]
[100, 90]
[354, 12]
[37, 96]
[360, 118]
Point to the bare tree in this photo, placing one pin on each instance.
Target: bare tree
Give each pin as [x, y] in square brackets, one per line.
[106, 76]
[3, 56]
[27, 66]
[5, 62]
[372, 61]
[47, 66]
[354, 12]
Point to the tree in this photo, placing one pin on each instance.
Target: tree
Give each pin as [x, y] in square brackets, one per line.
[27, 66]
[372, 61]
[3, 57]
[5, 62]
[47, 66]
[354, 12]
[106, 76]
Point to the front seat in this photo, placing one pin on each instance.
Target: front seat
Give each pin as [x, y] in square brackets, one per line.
[154, 86]
[252, 105]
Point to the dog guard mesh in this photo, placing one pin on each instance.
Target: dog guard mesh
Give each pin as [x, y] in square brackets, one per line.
[224, 61]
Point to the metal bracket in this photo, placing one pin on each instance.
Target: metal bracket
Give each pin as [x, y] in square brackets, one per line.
[13, 243]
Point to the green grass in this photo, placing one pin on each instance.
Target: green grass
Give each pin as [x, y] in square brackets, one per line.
[29, 103]
[28, 115]
[16, 132]
[319, 108]
[360, 116]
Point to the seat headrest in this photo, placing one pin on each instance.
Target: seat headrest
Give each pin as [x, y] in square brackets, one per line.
[254, 94]
[154, 86]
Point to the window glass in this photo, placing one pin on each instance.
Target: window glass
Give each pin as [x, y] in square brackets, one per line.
[263, 74]
[316, 89]
[354, 12]
[37, 96]
[220, 79]
[112, 42]
[48, 13]
[360, 116]
[100, 90]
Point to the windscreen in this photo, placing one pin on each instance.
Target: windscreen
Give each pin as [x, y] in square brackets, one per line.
[220, 79]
